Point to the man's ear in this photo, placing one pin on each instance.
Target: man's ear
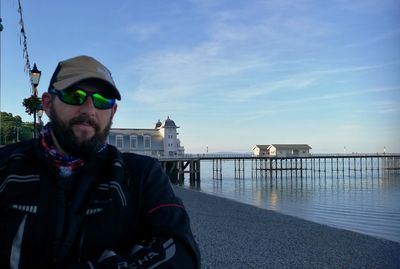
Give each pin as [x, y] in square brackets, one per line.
[46, 103]
[113, 110]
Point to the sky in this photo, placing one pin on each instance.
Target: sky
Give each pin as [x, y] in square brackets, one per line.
[231, 74]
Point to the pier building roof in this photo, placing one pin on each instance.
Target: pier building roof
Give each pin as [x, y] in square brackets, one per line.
[261, 147]
[290, 146]
[158, 124]
[169, 124]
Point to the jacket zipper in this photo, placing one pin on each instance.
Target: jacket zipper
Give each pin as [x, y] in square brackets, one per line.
[15, 256]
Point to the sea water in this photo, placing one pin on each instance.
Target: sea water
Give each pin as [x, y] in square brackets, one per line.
[362, 201]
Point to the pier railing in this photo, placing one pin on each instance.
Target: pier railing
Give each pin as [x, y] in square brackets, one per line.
[251, 156]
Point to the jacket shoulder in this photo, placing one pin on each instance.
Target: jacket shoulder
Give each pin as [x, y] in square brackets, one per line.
[139, 163]
[17, 150]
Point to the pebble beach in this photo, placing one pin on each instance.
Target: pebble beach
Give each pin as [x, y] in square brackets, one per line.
[235, 235]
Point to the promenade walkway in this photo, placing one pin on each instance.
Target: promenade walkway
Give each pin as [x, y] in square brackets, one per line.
[235, 235]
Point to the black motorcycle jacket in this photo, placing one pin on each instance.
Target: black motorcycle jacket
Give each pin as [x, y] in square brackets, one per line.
[118, 211]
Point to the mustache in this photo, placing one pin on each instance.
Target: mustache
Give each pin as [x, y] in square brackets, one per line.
[84, 119]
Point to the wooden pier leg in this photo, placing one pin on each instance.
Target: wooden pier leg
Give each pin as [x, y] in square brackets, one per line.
[181, 172]
[343, 167]
[378, 165]
[235, 168]
[172, 171]
[349, 166]
[213, 168]
[312, 167]
[301, 167]
[252, 175]
[197, 172]
[191, 173]
[220, 169]
[337, 166]
[243, 166]
[270, 168]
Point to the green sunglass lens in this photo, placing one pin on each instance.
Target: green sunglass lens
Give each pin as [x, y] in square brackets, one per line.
[102, 102]
[77, 97]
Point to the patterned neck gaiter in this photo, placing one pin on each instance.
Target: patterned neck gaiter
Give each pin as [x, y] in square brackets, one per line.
[63, 163]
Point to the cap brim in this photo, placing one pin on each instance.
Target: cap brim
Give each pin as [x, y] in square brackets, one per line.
[66, 83]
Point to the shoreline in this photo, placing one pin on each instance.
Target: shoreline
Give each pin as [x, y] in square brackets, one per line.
[231, 234]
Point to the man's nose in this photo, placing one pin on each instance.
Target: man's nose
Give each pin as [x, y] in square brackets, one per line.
[87, 107]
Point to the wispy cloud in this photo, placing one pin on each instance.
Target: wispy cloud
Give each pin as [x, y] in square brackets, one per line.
[143, 31]
[349, 127]
[298, 81]
[387, 107]
[249, 93]
[203, 71]
[342, 94]
[278, 107]
[387, 36]
[236, 47]
[368, 6]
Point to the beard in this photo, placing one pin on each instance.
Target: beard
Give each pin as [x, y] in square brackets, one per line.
[68, 140]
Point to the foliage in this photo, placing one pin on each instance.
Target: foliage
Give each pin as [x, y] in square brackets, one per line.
[32, 104]
[13, 129]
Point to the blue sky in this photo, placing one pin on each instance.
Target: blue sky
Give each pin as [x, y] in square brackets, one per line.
[231, 74]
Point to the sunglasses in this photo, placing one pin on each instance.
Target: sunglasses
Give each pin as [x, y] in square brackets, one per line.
[77, 97]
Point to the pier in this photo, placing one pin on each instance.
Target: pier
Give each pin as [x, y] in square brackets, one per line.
[177, 167]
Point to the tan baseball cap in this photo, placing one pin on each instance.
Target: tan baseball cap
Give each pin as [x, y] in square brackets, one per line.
[77, 69]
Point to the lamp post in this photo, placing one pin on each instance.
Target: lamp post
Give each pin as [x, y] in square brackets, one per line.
[35, 78]
[40, 114]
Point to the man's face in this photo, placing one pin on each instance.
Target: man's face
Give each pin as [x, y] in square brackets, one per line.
[79, 130]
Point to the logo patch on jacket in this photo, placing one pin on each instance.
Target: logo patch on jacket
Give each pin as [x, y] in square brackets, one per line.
[25, 208]
[93, 211]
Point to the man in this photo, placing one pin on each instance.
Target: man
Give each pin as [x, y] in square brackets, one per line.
[69, 200]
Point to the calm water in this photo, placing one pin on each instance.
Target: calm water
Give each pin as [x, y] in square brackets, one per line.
[367, 202]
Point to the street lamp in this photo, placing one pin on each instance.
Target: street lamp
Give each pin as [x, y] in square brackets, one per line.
[40, 114]
[35, 78]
